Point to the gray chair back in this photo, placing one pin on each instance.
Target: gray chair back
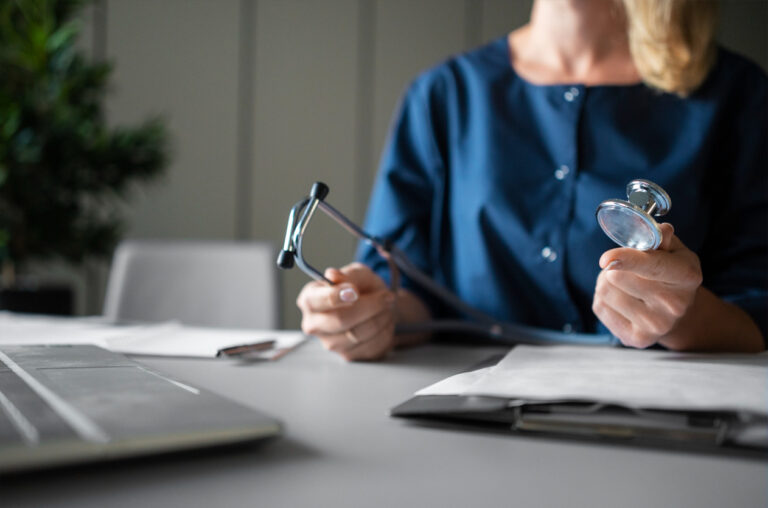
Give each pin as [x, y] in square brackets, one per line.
[211, 283]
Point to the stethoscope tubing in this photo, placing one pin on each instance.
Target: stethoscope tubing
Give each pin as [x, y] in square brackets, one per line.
[484, 325]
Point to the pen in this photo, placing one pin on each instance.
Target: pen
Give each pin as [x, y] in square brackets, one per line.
[244, 349]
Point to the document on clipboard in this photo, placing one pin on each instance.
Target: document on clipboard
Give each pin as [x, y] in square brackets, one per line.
[615, 393]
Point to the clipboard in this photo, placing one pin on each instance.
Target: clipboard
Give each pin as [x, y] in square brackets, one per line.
[698, 430]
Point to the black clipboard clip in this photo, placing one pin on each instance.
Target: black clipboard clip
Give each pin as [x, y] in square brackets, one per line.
[622, 423]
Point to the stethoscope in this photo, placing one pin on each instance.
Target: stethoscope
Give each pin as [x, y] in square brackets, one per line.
[629, 223]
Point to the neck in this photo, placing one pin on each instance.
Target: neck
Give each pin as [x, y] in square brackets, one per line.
[574, 37]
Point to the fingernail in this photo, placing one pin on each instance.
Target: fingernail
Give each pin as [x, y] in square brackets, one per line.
[348, 295]
[614, 265]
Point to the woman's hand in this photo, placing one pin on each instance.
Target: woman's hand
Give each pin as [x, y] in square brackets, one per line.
[355, 317]
[642, 297]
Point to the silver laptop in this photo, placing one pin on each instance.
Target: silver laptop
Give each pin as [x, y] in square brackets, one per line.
[68, 404]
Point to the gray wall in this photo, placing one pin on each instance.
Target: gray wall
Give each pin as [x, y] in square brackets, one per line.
[265, 96]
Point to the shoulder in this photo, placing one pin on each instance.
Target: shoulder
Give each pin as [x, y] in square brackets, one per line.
[462, 73]
[735, 77]
[740, 67]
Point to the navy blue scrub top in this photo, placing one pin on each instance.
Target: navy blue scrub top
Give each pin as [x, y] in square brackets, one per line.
[490, 184]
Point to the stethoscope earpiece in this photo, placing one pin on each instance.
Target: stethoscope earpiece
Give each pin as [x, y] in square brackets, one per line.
[631, 223]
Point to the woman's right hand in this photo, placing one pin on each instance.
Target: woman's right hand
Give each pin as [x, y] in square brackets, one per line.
[355, 317]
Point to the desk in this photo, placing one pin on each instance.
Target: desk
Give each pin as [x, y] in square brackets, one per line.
[341, 449]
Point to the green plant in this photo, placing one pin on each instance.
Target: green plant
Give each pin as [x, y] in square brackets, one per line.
[63, 171]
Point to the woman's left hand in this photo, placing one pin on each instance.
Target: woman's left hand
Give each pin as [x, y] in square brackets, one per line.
[641, 296]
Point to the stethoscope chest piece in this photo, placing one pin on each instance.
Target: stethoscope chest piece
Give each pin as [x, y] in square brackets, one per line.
[631, 223]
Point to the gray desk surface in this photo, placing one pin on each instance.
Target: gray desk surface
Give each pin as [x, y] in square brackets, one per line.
[341, 449]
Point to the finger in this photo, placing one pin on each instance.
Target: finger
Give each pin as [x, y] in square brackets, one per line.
[619, 325]
[376, 347]
[319, 297]
[668, 237]
[628, 306]
[336, 342]
[673, 267]
[368, 329]
[368, 306]
[623, 329]
[358, 274]
[361, 334]
[341, 319]
[646, 318]
[363, 277]
[630, 283]
[657, 296]
[335, 275]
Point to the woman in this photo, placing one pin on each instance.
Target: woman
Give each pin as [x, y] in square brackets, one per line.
[499, 157]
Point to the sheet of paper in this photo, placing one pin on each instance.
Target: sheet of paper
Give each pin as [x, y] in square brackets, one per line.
[33, 329]
[172, 339]
[632, 378]
[163, 339]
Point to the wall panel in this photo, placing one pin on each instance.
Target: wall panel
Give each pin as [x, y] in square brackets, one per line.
[410, 37]
[502, 16]
[743, 27]
[178, 59]
[305, 96]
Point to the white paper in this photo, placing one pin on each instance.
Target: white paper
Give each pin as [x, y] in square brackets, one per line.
[172, 339]
[632, 378]
[164, 339]
[458, 384]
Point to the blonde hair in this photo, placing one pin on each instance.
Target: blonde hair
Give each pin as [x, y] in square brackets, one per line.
[672, 41]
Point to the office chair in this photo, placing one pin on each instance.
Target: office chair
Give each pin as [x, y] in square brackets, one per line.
[215, 284]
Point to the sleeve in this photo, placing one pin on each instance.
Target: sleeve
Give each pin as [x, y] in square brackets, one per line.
[406, 190]
[735, 262]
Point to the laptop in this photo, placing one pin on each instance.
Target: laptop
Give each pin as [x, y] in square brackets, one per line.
[71, 404]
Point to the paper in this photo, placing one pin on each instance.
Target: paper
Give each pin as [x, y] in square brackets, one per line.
[628, 377]
[172, 339]
[164, 339]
